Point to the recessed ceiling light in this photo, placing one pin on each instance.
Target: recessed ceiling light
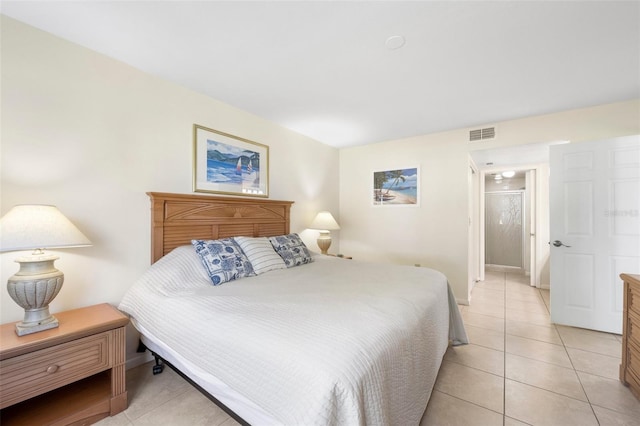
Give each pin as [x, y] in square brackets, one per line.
[509, 174]
[395, 42]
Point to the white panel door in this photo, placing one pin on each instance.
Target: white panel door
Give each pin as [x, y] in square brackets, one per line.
[595, 230]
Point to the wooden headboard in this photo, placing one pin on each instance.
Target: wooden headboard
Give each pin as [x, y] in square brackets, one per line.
[176, 219]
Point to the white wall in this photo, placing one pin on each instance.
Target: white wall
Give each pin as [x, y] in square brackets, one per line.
[91, 135]
[435, 233]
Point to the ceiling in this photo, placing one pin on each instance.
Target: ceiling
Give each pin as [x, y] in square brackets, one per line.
[324, 69]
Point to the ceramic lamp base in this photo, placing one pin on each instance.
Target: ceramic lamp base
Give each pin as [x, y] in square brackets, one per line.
[23, 328]
[324, 241]
[33, 287]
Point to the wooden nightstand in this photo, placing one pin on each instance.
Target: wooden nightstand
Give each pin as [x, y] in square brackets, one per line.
[73, 374]
[630, 366]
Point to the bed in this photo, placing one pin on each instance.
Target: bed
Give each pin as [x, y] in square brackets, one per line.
[329, 342]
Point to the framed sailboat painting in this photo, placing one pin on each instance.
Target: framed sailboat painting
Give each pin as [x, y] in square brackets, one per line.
[227, 164]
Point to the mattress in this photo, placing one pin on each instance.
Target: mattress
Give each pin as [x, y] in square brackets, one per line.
[333, 342]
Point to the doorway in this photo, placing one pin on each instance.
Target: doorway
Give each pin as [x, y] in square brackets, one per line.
[533, 232]
[533, 161]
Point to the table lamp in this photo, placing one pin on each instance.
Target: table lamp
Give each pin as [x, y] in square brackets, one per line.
[38, 282]
[324, 222]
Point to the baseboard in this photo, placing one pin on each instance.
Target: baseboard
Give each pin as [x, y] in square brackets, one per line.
[139, 359]
[502, 268]
[545, 286]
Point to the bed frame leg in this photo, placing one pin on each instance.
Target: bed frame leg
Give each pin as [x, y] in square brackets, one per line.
[159, 367]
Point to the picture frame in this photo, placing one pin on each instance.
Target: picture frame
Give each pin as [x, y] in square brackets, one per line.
[396, 187]
[228, 164]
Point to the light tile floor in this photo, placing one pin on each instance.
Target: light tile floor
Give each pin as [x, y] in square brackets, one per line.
[522, 369]
[519, 369]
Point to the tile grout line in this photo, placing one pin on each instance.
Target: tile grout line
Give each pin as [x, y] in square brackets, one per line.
[578, 377]
[564, 346]
[504, 354]
[468, 402]
[562, 342]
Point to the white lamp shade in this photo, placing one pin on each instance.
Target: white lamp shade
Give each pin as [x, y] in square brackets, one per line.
[28, 227]
[325, 221]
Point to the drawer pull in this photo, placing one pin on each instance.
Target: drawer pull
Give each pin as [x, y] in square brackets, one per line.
[52, 369]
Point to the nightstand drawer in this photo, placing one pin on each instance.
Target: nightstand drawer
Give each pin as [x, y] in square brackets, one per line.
[25, 376]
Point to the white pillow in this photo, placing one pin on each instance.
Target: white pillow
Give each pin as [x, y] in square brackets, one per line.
[261, 254]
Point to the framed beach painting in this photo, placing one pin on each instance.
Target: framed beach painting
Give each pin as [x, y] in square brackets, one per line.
[227, 164]
[396, 187]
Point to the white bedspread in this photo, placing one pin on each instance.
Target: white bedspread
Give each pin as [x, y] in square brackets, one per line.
[334, 342]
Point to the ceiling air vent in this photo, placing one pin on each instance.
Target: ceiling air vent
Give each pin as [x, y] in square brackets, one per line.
[481, 134]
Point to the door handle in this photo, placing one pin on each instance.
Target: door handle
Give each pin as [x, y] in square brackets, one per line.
[558, 243]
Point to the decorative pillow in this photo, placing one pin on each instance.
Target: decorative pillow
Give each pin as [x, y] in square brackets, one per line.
[291, 249]
[223, 259]
[261, 254]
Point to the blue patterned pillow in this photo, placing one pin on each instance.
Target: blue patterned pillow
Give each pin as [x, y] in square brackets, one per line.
[223, 260]
[291, 249]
